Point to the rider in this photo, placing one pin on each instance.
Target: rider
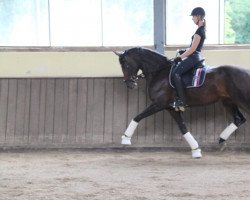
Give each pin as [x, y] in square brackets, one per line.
[189, 57]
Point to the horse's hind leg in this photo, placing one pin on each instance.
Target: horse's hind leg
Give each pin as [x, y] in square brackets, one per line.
[196, 152]
[239, 119]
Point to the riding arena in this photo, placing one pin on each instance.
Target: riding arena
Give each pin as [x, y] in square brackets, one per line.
[89, 110]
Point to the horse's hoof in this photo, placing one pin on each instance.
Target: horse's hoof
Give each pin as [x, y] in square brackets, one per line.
[223, 145]
[196, 153]
[221, 140]
[126, 140]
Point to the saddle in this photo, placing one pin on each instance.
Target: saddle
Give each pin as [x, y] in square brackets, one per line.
[194, 77]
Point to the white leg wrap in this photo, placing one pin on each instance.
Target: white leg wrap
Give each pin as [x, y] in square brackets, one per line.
[228, 131]
[131, 129]
[196, 153]
[126, 138]
[191, 141]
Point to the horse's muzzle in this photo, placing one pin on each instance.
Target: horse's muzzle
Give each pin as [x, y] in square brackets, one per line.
[131, 84]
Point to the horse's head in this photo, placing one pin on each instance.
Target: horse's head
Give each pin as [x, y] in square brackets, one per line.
[146, 60]
[130, 68]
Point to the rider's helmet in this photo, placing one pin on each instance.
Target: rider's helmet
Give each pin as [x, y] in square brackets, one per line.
[198, 11]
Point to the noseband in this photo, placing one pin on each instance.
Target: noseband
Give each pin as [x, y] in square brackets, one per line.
[135, 78]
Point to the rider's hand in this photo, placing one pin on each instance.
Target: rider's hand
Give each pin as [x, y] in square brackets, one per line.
[177, 59]
[182, 51]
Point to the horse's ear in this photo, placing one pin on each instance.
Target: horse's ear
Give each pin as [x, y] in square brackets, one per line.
[118, 53]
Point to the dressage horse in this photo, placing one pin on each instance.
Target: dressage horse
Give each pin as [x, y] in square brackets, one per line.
[225, 83]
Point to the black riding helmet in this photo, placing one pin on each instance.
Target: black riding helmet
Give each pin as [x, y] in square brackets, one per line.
[198, 11]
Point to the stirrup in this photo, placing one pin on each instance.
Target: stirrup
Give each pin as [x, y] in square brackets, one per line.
[178, 105]
[180, 108]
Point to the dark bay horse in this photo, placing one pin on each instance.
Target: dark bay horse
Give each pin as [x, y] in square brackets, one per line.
[228, 84]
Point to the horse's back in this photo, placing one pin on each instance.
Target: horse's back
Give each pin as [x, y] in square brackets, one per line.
[232, 69]
[230, 72]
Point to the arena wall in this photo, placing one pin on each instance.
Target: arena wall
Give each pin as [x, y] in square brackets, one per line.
[78, 99]
[28, 64]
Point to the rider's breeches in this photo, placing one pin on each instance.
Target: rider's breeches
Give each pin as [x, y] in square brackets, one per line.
[187, 64]
[181, 69]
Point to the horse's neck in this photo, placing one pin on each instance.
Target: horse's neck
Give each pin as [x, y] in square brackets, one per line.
[153, 70]
[153, 66]
[153, 77]
[149, 80]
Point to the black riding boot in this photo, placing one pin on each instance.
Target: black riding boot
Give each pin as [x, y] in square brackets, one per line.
[180, 101]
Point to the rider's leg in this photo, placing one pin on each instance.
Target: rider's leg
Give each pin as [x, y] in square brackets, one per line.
[179, 70]
[180, 90]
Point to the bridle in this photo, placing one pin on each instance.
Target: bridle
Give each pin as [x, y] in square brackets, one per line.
[135, 78]
[131, 81]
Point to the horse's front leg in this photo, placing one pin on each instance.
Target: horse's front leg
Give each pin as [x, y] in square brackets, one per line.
[196, 151]
[152, 109]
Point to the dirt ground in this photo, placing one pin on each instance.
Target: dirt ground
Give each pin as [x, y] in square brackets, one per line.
[133, 175]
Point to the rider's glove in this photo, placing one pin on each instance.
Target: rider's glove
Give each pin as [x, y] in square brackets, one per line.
[182, 51]
[177, 59]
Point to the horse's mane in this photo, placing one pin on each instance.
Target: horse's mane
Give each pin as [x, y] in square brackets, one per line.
[146, 51]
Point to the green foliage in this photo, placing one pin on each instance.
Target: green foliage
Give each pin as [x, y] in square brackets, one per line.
[237, 25]
[229, 32]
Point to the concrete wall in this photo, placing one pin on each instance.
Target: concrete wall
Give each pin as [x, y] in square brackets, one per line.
[92, 64]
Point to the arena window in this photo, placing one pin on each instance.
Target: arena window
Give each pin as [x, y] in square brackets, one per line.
[180, 27]
[24, 23]
[103, 23]
[76, 23]
[227, 21]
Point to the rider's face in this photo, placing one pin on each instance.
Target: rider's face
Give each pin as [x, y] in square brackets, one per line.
[195, 19]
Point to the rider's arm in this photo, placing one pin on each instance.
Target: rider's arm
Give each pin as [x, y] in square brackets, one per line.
[193, 47]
